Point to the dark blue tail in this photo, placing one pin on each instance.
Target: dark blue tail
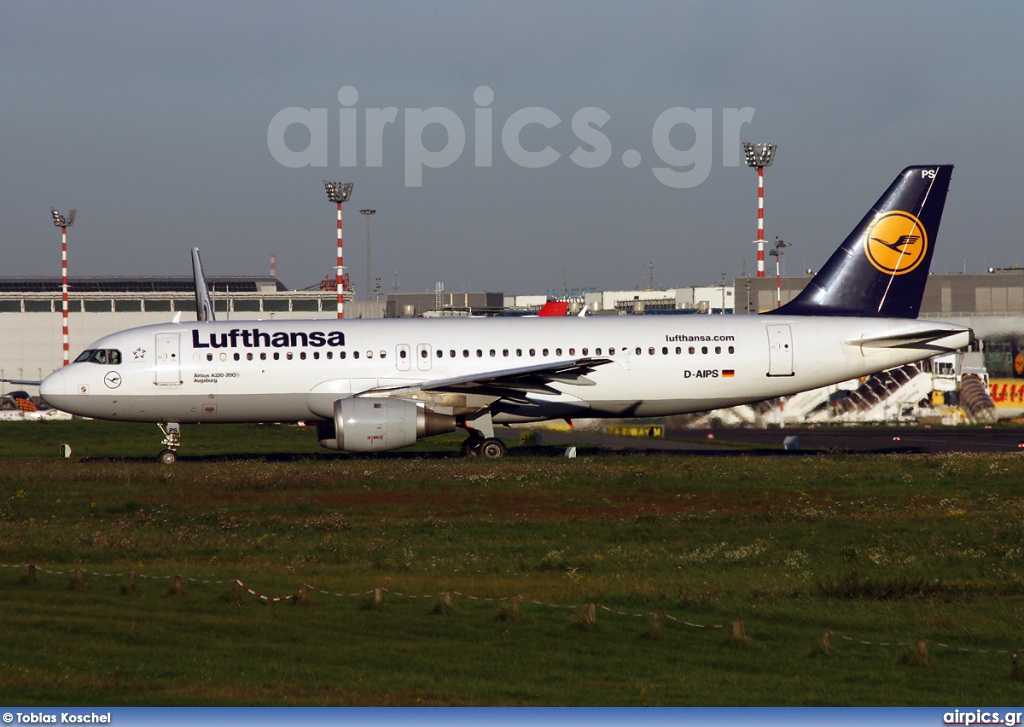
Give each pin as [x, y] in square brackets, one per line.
[882, 267]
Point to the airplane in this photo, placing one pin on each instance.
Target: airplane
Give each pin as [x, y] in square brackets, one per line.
[377, 385]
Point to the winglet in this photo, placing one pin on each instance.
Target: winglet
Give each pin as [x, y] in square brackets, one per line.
[204, 306]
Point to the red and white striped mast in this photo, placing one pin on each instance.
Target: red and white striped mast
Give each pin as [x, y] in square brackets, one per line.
[759, 156]
[339, 192]
[64, 224]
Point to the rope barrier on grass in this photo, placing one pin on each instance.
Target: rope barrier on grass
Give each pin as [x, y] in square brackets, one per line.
[738, 630]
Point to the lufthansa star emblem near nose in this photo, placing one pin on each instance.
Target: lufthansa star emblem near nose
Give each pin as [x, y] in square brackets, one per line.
[112, 380]
[140, 352]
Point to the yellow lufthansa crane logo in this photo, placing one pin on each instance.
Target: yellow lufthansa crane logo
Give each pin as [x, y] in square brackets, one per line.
[896, 243]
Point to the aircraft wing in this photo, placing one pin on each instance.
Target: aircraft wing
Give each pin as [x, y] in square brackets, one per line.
[21, 382]
[512, 384]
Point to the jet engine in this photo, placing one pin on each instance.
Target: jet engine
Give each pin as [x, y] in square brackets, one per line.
[377, 425]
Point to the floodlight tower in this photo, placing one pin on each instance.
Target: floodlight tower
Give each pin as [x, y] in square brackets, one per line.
[339, 192]
[367, 213]
[759, 156]
[60, 221]
[777, 253]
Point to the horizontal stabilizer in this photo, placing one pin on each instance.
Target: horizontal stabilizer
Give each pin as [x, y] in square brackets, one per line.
[910, 339]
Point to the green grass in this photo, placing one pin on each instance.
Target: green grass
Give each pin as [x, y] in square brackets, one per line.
[879, 548]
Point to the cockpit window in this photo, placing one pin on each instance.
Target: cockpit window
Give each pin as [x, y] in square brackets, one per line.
[105, 356]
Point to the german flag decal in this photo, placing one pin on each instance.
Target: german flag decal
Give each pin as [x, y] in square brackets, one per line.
[728, 373]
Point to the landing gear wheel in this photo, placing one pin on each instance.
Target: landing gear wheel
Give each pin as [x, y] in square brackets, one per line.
[471, 447]
[493, 449]
[168, 456]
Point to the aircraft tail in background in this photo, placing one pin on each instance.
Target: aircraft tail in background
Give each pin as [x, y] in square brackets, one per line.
[204, 306]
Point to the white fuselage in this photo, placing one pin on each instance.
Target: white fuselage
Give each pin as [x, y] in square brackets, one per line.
[286, 371]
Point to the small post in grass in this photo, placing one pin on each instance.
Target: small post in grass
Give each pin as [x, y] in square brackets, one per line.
[654, 632]
[78, 583]
[739, 638]
[129, 589]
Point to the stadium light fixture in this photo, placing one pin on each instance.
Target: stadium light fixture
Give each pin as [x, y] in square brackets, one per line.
[758, 157]
[64, 223]
[339, 192]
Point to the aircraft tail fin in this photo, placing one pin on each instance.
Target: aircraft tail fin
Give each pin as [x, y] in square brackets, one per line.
[554, 308]
[204, 306]
[882, 267]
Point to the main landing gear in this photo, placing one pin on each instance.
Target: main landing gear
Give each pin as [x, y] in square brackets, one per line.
[172, 440]
[487, 447]
[481, 441]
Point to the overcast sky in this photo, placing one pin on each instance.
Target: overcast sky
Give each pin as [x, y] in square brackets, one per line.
[157, 122]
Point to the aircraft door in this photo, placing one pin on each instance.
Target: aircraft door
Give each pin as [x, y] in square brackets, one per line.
[402, 357]
[780, 351]
[423, 356]
[168, 363]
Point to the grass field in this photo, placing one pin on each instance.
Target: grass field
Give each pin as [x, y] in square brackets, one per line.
[883, 549]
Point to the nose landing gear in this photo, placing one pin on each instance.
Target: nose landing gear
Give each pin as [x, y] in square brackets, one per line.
[172, 440]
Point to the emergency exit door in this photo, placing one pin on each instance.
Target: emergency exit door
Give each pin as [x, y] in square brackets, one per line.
[780, 351]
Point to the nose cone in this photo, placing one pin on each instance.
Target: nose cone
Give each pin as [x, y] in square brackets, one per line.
[52, 390]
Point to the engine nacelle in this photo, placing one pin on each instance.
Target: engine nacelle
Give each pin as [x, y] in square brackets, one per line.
[376, 425]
